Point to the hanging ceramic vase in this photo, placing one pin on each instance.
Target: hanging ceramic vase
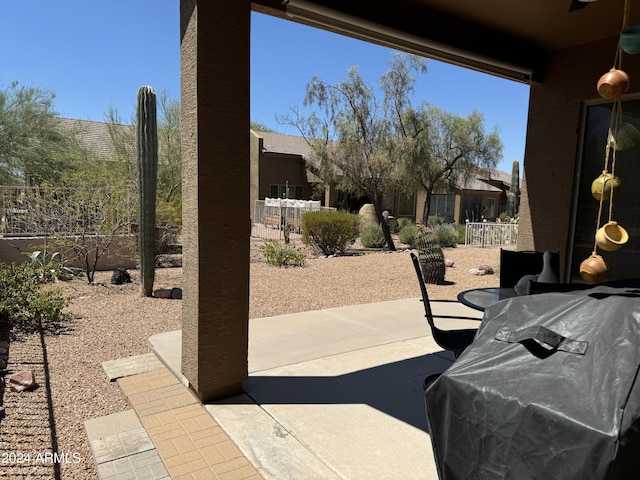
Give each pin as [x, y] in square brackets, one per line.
[594, 269]
[613, 84]
[603, 185]
[630, 40]
[547, 275]
[626, 137]
[611, 236]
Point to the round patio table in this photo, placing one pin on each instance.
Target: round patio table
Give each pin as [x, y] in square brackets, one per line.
[481, 298]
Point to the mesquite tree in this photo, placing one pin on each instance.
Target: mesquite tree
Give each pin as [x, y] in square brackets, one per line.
[147, 147]
[354, 137]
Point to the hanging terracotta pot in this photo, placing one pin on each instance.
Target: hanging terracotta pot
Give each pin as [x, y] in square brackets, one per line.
[603, 185]
[594, 269]
[626, 137]
[613, 84]
[630, 39]
[611, 237]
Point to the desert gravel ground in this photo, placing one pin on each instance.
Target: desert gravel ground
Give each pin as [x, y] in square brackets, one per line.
[112, 322]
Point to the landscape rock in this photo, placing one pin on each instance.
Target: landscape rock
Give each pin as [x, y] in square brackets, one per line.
[21, 381]
[367, 214]
[173, 293]
[162, 293]
[448, 263]
[481, 270]
[120, 276]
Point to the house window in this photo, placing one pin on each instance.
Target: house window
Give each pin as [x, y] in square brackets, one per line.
[490, 209]
[472, 208]
[387, 203]
[280, 191]
[625, 262]
[407, 205]
[443, 206]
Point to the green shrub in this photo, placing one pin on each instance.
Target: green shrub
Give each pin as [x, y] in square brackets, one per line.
[434, 220]
[25, 302]
[393, 225]
[48, 266]
[169, 212]
[282, 254]
[372, 236]
[169, 224]
[405, 221]
[408, 235]
[446, 235]
[329, 231]
[462, 234]
[504, 218]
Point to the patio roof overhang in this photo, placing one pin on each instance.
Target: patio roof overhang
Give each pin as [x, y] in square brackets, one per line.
[557, 46]
[507, 39]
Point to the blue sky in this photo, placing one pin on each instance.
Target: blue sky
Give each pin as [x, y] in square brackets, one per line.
[96, 54]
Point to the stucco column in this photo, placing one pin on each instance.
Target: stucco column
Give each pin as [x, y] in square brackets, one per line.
[215, 187]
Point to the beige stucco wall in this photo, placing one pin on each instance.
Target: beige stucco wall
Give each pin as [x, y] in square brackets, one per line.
[552, 141]
[277, 169]
[255, 144]
[121, 253]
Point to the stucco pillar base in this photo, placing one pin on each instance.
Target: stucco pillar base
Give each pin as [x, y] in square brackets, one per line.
[216, 393]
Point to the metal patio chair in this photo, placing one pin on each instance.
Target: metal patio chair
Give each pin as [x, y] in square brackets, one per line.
[454, 341]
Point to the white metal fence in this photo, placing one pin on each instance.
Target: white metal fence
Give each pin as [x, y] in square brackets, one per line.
[489, 235]
[270, 218]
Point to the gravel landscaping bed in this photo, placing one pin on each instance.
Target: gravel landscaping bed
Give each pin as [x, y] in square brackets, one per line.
[113, 321]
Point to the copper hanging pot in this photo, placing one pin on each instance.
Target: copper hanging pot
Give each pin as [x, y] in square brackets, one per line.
[613, 84]
[594, 269]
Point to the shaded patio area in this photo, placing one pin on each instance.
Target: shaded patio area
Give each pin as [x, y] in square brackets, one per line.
[335, 393]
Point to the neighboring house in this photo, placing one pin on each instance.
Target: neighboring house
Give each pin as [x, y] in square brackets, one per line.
[18, 228]
[277, 165]
[483, 198]
[279, 168]
[94, 136]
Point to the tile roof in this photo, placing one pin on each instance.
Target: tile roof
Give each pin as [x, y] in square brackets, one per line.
[487, 181]
[95, 136]
[292, 145]
[92, 135]
[288, 144]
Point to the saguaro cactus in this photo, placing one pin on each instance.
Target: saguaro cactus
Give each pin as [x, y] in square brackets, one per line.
[513, 197]
[147, 146]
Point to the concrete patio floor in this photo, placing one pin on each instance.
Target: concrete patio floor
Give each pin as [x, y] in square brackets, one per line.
[331, 394]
